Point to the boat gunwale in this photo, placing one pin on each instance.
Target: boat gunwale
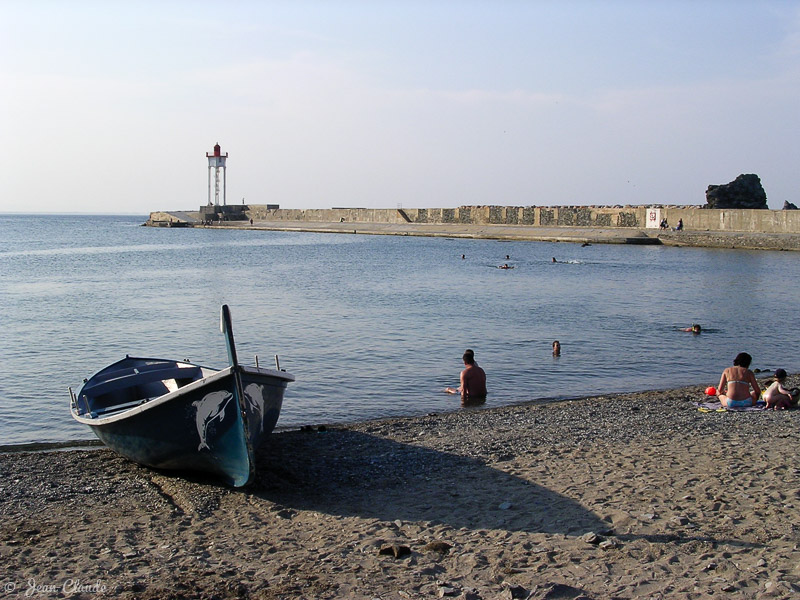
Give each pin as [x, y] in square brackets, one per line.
[168, 397]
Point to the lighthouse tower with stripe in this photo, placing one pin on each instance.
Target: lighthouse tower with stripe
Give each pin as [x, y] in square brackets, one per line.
[216, 162]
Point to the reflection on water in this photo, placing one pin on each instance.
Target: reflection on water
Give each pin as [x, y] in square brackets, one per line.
[371, 326]
[473, 402]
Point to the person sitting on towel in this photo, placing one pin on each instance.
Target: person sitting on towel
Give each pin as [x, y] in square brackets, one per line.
[734, 385]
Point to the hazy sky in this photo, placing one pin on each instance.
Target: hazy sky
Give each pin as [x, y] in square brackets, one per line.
[110, 106]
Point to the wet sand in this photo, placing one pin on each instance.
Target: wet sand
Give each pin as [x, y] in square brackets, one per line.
[627, 496]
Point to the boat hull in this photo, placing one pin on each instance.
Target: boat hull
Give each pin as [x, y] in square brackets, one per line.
[212, 425]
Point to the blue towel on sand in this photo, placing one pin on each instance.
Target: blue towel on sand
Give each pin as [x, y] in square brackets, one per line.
[715, 406]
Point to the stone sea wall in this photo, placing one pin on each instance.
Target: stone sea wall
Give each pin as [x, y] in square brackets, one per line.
[636, 217]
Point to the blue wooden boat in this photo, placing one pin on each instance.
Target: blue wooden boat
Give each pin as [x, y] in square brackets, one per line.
[172, 414]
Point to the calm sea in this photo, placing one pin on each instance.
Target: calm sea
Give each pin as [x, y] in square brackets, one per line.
[373, 326]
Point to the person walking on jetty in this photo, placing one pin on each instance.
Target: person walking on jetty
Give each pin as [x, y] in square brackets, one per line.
[777, 396]
[734, 385]
[473, 380]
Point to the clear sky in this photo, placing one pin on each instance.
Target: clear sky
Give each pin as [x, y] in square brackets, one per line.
[110, 106]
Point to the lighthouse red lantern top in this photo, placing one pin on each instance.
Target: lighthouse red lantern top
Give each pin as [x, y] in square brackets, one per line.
[217, 159]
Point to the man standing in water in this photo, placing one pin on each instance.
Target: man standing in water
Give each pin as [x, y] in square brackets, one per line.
[473, 380]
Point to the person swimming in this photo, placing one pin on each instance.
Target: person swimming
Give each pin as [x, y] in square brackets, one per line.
[473, 381]
[695, 328]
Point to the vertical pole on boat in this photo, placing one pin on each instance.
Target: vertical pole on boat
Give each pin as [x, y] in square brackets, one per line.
[236, 372]
[227, 328]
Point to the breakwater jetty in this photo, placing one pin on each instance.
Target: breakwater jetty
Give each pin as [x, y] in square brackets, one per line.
[723, 228]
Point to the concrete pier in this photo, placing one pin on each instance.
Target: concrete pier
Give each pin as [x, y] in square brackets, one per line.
[743, 229]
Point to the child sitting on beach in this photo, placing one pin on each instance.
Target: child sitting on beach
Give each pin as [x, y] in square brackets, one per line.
[778, 397]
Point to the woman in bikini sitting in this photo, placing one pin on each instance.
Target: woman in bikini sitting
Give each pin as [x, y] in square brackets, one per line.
[735, 383]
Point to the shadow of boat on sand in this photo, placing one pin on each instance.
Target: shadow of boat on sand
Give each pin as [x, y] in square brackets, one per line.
[348, 473]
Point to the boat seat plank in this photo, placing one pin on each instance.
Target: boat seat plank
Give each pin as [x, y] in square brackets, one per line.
[131, 379]
[118, 407]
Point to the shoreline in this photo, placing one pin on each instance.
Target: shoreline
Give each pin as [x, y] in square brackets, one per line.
[94, 443]
[91, 442]
[582, 235]
[621, 495]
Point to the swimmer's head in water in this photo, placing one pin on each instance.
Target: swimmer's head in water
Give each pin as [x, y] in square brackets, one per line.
[696, 328]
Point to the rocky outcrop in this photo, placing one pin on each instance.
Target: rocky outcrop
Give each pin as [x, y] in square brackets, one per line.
[745, 191]
[788, 205]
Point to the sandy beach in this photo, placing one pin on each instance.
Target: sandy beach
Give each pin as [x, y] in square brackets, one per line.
[627, 496]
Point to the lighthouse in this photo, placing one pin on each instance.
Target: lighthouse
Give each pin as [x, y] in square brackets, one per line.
[216, 162]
